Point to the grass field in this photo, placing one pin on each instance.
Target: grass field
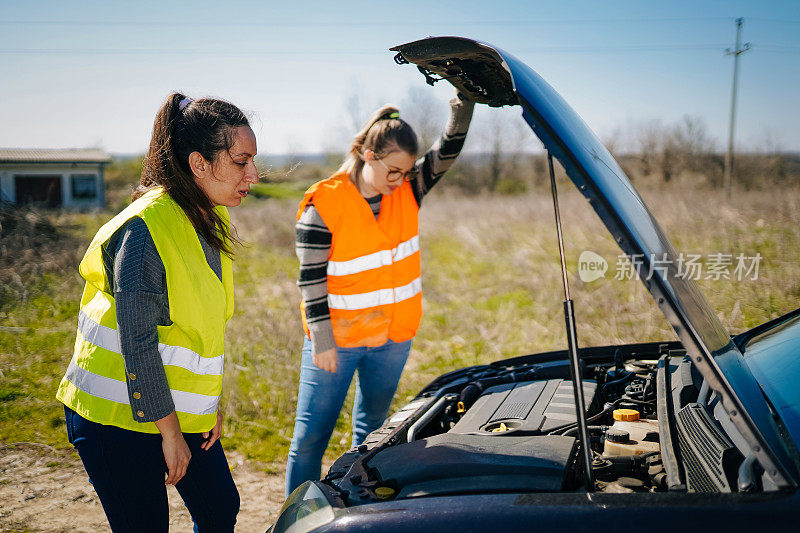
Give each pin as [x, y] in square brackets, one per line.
[492, 290]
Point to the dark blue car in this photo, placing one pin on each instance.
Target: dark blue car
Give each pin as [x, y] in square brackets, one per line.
[696, 434]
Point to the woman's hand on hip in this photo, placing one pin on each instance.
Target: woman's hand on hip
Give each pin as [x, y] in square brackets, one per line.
[326, 360]
[215, 433]
[176, 451]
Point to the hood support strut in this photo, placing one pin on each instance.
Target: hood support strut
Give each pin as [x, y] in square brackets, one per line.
[572, 342]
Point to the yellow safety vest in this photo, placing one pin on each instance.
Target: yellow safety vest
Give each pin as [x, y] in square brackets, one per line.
[192, 348]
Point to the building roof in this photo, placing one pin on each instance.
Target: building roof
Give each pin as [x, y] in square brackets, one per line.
[61, 155]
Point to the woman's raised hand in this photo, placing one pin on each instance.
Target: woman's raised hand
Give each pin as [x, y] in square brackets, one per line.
[326, 360]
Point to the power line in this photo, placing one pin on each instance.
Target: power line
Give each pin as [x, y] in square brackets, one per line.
[327, 51]
[778, 21]
[362, 22]
[779, 47]
[183, 51]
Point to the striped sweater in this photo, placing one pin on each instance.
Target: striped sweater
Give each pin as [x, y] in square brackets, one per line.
[314, 239]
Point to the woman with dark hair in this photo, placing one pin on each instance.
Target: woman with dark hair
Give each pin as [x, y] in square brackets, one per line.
[358, 245]
[141, 394]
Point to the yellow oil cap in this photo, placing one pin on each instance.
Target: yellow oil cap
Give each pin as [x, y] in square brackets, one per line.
[626, 415]
[384, 493]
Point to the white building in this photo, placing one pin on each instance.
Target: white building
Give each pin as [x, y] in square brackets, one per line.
[53, 178]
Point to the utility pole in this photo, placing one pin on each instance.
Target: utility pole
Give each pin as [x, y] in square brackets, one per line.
[736, 52]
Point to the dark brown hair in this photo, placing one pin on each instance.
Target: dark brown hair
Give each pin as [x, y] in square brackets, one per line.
[205, 126]
[383, 133]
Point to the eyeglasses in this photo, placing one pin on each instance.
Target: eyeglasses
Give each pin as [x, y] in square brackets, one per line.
[396, 175]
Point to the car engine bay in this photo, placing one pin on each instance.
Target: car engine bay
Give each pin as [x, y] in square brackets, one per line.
[511, 427]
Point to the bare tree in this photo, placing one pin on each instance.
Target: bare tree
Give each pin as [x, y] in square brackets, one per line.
[692, 143]
[341, 127]
[503, 137]
[649, 141]
[425, 113]
[355, 114]
[695, 149]
[494, 134]
[673, 149]
[613, 141]
[775, 161]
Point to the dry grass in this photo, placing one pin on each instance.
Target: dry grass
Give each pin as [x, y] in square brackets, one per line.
[35, 245]
[39, 293]
[492, 290]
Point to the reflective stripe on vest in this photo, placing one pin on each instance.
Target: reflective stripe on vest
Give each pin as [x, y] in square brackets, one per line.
[375, 298]
[373, 273]
[374, 260]
[108, 338]
[117, 391]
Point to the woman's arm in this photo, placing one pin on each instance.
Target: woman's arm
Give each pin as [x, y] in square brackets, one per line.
[140, 294]
[431, 167]
[313, 247]
[139, 287]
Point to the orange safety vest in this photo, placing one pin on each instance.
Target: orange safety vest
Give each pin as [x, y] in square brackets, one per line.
[374, 274]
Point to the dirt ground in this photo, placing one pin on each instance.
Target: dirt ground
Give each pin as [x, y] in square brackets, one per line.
[42, 489]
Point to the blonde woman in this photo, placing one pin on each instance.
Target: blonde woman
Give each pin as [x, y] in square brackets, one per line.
[358, 245]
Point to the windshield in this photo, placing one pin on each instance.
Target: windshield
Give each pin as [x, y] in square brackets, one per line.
[774, 359]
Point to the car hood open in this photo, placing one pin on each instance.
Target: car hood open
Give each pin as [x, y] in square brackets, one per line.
[491, 76]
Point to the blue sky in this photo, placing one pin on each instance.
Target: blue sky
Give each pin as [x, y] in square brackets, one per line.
[92, 73]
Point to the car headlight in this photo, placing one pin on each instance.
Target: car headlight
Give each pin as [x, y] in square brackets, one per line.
[305, 509]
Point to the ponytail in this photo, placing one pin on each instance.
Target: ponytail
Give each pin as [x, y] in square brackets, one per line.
[383, 133]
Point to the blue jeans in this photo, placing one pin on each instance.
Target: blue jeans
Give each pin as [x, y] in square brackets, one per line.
[321, 396]
[127, 470]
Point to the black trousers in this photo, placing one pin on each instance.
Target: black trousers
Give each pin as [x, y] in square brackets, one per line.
[127, 469]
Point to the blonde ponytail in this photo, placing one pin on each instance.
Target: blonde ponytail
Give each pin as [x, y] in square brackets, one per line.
[383, 133]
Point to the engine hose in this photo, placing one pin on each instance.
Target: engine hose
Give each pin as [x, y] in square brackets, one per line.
[627, 398]
[618, 382]
[473, 390]
[470, 393]
[594, 418]
[594, 430]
